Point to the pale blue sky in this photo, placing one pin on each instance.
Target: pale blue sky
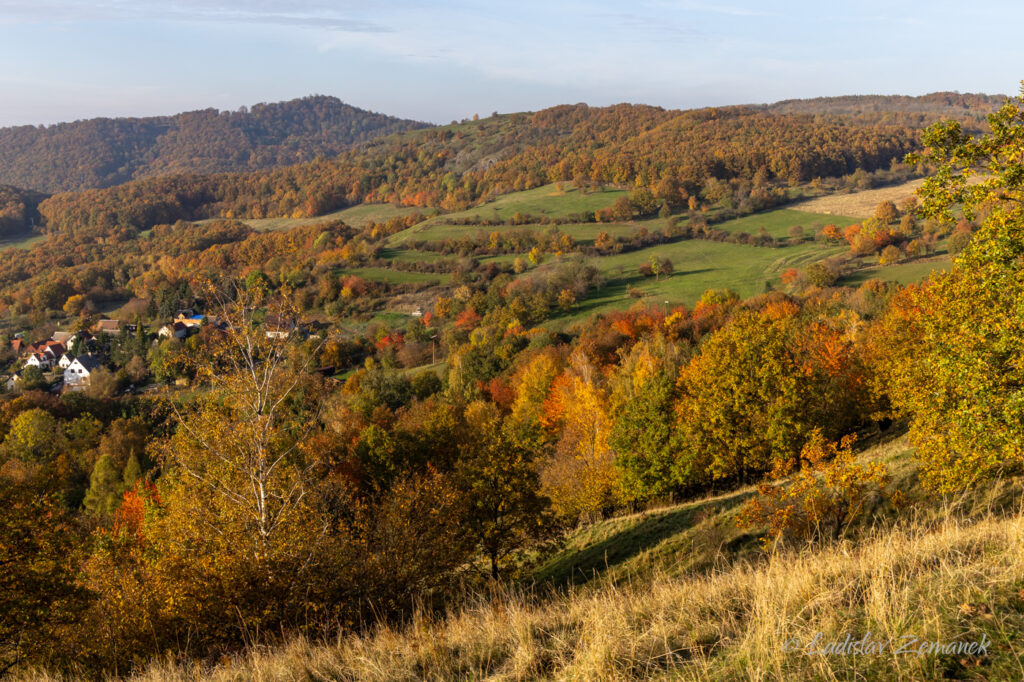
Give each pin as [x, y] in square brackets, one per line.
[444, 59]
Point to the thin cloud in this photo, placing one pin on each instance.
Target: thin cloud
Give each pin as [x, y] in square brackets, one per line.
[732, 11]
[297, 13]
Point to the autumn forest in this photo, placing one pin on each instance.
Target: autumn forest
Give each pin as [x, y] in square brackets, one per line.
[306, 378]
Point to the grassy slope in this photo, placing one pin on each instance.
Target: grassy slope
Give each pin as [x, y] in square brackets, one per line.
[699, 265]
[861, 203]
[680, 539]
[24, 242]
[541, 201]
[691, 597]
[356, 216]
[778, 222]
[904, 273]
[547, 200]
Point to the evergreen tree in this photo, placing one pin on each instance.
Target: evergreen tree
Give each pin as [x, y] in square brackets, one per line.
[132, 472]
[105, 488]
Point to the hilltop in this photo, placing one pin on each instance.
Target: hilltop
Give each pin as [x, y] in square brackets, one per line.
[968, 108]
[102, 152]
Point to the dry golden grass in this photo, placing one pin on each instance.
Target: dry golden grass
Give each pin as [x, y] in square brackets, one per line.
[858, 204]
[862, 204]
[945, 579]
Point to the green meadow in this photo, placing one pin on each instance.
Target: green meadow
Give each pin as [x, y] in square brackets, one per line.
[548, 201]
[24, 241]
[356, 216]
[777, 223]
[698, 264]
[902, 273]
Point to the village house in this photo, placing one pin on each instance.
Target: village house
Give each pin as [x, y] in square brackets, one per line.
[80, 370]
[83, 336]
[185, 324]
[44, 355]
[278, 327]
[65, 361]
[177, 330]
[190, 320]
[39, 360]
[53, 349]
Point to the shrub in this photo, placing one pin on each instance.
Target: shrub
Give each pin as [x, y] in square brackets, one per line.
[828, 494]
[820, 275]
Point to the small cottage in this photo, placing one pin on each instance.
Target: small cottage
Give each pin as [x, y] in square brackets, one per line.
[78, 372]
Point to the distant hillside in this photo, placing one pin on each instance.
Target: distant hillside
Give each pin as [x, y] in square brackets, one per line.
[969, 108]
[103, 152]
[677, 154]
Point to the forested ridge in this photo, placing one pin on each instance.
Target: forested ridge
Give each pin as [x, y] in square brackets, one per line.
[971, 109]
[675, 154]
[102, 152]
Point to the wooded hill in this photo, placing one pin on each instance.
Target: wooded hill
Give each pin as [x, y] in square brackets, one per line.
[102, 152]
[676, 154]
[968, 108]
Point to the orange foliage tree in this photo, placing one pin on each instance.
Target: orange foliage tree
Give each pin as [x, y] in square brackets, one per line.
[580, 476]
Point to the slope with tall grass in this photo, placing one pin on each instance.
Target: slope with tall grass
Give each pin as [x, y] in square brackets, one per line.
[951, 573]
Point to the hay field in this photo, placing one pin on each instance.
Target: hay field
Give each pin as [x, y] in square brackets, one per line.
[858, 204]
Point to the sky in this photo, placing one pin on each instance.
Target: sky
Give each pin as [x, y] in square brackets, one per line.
[439, 60]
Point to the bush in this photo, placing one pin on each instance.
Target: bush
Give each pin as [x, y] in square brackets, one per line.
[958, 241]
[890, 254]
[827, 495]
[820, 275]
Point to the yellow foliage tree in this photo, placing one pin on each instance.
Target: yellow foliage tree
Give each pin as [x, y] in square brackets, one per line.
[949, 351]
[580, 476]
